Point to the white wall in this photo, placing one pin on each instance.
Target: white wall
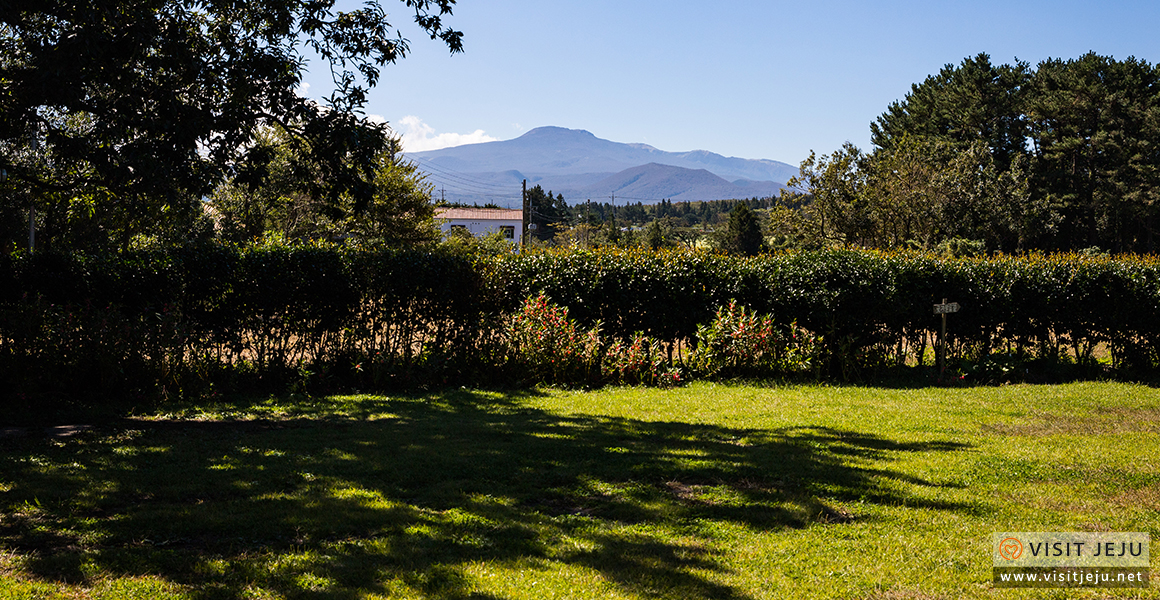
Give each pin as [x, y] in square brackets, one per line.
[481, 227]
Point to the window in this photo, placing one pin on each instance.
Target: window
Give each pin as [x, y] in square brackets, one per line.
[508, 231]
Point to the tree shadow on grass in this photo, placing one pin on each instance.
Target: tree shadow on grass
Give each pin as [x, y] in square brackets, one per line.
[414, 491]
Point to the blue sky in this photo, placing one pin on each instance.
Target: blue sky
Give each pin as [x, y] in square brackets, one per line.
[753, 79]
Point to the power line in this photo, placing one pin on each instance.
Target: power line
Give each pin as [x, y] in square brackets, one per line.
[485, 187]
[672, 199]
[458, 177]
[451, 183]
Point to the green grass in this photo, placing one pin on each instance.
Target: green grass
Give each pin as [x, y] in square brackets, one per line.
[709, 491]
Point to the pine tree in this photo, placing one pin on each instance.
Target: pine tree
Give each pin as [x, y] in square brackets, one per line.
[654, 235]
[743, 233]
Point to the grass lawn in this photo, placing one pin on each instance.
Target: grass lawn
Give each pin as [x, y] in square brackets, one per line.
[709, 491]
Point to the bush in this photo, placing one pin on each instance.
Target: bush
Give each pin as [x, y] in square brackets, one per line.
[547, 347]
[738, 342]
[639, 361]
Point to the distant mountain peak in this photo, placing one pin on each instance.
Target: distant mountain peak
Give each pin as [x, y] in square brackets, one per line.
[558, 134]
[552, 131]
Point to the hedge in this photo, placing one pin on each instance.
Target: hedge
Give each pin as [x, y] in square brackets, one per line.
[1040, 305]
[154, 323]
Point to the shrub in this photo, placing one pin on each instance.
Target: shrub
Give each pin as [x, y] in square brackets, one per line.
[740, 342]
[547, 347]
[639, 361]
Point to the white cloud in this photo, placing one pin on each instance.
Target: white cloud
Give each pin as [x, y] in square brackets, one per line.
[419, 136]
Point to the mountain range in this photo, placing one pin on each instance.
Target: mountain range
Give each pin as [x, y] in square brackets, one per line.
[580, 166]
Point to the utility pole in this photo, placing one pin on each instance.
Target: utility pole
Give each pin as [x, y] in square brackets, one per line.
[587, 221]
[614, 211]
[615, 232]
[524, 217]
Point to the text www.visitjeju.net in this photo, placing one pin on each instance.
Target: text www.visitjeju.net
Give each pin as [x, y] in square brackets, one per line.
[1075, 577]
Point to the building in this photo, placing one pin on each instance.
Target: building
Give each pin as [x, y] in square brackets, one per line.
[482, 221]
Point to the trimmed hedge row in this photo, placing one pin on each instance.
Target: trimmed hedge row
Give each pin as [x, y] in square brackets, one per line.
[192, 320]
[149, 323]
[1042, 305]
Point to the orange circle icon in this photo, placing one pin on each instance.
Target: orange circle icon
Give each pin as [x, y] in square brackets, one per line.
[1010, 548]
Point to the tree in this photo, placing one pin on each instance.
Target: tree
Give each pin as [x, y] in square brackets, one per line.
[835, 214]
[921, 192]
[1072, 160]
[548, 213]
[917, 193]
[399, 214]
[1085, 134]
[1096, 127]
[654, 235]
[975, 101]
[147, 105]
[742, 233]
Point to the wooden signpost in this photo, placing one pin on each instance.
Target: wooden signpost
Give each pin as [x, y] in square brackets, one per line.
[944, 309]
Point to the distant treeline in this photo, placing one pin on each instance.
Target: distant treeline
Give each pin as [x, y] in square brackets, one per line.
[547, 208]
[682, 213]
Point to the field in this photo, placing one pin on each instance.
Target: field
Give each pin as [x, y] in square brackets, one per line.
[707, 491]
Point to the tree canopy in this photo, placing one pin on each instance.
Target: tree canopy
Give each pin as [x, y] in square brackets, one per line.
[135, 106]
[548, 212]
[1063, 156]
[400, 212]
[975, 101]
[742, 233]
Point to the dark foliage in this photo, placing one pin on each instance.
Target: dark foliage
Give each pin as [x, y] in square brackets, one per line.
[130, 111]
[1085, 133]
[143, 326]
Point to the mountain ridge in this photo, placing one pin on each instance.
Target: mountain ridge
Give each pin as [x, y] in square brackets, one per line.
[658, 181]
[576, 164]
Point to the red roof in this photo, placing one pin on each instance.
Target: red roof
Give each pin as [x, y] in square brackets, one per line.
[479, 214]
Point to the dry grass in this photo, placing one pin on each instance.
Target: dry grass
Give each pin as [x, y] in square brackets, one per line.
[1107, 421]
